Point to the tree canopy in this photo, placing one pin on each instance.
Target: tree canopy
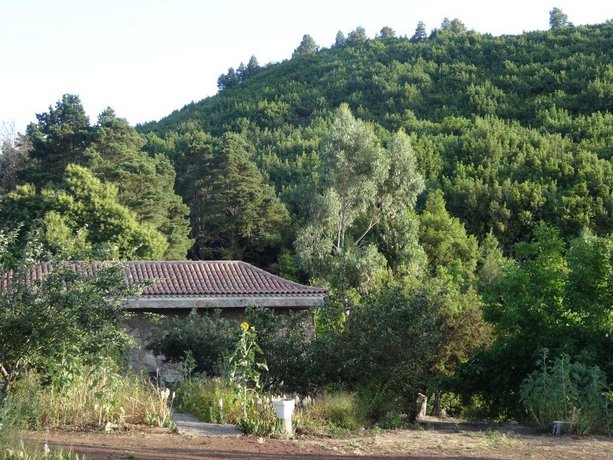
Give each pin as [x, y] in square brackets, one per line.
[113, 151]
[79, 215]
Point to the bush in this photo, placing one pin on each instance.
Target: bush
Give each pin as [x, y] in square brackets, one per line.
[67, 312]
[91, 397]
[208, 337]
[286, 343]
[391, 341]
[571, 392]
[451, 404]
[378, 404]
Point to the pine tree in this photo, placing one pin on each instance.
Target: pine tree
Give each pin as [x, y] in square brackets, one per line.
[307, 46]
[58, 138]
[235, 213]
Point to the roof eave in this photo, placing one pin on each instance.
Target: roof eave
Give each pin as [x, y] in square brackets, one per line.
[189, 302]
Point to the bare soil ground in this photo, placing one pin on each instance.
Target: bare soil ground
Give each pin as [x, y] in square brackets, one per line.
[433, 439]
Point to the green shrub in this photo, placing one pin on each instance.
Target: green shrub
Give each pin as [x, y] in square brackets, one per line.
[572, 392]
[378, 403]
[65, 313]
[391, 341]
[335, 411]
[451, 403]
[287, 345]
[208, 337]
[260, 419]
[392, 421]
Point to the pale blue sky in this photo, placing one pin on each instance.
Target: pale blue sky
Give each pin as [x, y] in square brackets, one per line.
[146, 58]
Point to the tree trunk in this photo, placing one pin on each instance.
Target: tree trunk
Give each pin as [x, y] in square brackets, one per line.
[437, 403]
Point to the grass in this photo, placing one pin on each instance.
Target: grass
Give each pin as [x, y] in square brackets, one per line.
[495, 439]
[200, 397]
[94, 397]
[338, 413]
[14, 448]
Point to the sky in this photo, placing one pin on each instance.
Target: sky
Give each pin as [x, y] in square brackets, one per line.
[146, 58]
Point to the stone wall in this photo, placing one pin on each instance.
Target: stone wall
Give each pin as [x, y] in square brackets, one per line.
[139, 326]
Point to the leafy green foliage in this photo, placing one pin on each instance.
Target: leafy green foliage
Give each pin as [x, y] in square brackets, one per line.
[314, 167]
[244, 373]
[14, 159]
[287, 346]
[208, 338]
[242, 73]
[112, 150]
[361, 185]
[514, 129]
[557, 18]
[58, 138]
[374, 346]
[337, 412]
[307, 46]
[545, 299]
[200, 397]
[145, 184]
[85, 397]
[445, 240]
[79, 215]
[235, 214]
[66, 313]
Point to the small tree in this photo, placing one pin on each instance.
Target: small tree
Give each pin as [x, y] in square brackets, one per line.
[361, 185]
[420, 32]
[357, 36]
[557, 18]
[340, 39]
[563, 390]
[387, 32]
[307, 46]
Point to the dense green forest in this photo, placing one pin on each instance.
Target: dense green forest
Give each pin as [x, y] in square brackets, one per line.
[457, 185]
[513, 129]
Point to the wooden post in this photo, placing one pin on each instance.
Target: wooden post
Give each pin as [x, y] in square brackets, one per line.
[422, 401]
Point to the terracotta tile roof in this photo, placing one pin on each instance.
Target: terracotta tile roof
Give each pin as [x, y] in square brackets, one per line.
[194, 278]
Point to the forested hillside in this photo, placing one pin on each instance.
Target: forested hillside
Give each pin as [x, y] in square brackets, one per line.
[453, 191]
[514, 129]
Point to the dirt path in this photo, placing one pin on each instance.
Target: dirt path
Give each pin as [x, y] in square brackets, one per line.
[432, 440]
[189, 425]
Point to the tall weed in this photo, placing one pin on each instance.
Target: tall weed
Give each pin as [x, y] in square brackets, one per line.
[200, 397]
[337, 412]
[12, 447]
[93, 397]
[572, 392]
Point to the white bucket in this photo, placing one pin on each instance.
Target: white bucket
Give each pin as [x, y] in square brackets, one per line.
[284, 408]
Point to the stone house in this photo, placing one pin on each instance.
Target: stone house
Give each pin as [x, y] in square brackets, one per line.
[177, 287]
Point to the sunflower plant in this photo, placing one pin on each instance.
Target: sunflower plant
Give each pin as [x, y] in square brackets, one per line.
[244, 374]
